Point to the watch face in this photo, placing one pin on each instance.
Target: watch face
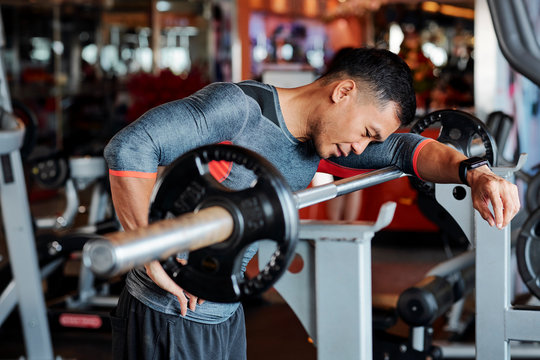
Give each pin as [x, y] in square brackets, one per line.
[474, 162]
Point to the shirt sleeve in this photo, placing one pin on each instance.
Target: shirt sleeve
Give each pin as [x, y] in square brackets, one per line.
[400, 149]
[212, 115]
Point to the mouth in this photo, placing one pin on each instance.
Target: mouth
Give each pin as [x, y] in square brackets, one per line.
[340, 152]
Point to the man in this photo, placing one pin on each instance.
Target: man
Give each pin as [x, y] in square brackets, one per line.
[348, 115]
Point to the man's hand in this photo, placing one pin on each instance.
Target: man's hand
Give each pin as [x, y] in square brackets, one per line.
[439, 163]
[486, 188]
[156, 272]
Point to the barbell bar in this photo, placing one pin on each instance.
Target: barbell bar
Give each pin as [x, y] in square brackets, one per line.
[121, 251]
[321, 193]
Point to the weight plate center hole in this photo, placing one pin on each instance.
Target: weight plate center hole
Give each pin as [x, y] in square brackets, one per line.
[455, 134]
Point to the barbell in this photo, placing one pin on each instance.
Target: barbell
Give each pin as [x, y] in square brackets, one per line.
[191, 211]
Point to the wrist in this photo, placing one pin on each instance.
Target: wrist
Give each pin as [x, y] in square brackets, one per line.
[474, 174]
[468, 167]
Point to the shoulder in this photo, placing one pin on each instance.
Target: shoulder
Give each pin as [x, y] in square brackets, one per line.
[218, 94]
[221, 88]
[233, 90]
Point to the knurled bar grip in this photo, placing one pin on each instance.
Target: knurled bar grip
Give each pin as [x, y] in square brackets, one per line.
[121, 251]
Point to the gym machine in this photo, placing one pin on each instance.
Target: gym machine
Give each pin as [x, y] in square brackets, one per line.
[75, 174]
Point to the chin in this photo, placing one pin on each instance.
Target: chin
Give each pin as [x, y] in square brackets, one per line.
[324, 155]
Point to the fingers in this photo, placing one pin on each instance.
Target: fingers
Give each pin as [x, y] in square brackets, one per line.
[186, 300]
[498, 211]
[182, 299]
[511, 204]
[505, 204]
[192, 300]
[503, 197]
[481, 203]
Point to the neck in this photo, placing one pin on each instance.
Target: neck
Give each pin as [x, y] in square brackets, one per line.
[297, 105]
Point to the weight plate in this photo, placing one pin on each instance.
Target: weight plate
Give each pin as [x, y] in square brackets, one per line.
[264, 211]
[528, 253]
[50, 172]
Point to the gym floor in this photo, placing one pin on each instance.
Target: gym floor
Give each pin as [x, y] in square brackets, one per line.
[273, 331]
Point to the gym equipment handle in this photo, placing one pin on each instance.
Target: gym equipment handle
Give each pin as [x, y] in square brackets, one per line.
[118, 252]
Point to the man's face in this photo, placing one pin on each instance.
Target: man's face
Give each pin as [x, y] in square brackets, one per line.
[350, 126]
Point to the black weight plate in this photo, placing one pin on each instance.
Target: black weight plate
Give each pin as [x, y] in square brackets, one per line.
[50, 172]
[528, 253]
[264, 211]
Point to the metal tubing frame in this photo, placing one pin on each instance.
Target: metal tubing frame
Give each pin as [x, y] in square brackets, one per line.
[26, 288]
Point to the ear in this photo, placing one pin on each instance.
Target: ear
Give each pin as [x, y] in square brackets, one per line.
[343, 90]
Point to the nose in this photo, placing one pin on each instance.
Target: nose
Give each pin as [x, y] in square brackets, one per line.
[359, 147]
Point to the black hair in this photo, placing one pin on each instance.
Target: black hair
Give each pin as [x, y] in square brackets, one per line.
[385, 75]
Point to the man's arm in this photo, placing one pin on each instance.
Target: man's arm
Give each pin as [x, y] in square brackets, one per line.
[439, 163]
[436, 162]
[212, 115]
[131, 198]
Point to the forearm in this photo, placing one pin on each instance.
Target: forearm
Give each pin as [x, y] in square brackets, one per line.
[439, 163]
[131, 199]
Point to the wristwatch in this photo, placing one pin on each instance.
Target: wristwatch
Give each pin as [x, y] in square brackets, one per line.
[470, 164]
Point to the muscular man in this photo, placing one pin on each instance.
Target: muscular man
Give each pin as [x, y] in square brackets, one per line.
[348, 116]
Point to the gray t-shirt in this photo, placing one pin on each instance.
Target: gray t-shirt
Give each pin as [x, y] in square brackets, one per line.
[248, 118]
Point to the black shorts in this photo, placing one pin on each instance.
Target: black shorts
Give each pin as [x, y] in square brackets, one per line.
[140, 332]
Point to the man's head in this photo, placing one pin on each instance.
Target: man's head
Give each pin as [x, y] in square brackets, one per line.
[367, 95]
[380, 74]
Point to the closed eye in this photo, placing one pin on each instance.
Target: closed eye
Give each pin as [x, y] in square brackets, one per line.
[376, 137]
